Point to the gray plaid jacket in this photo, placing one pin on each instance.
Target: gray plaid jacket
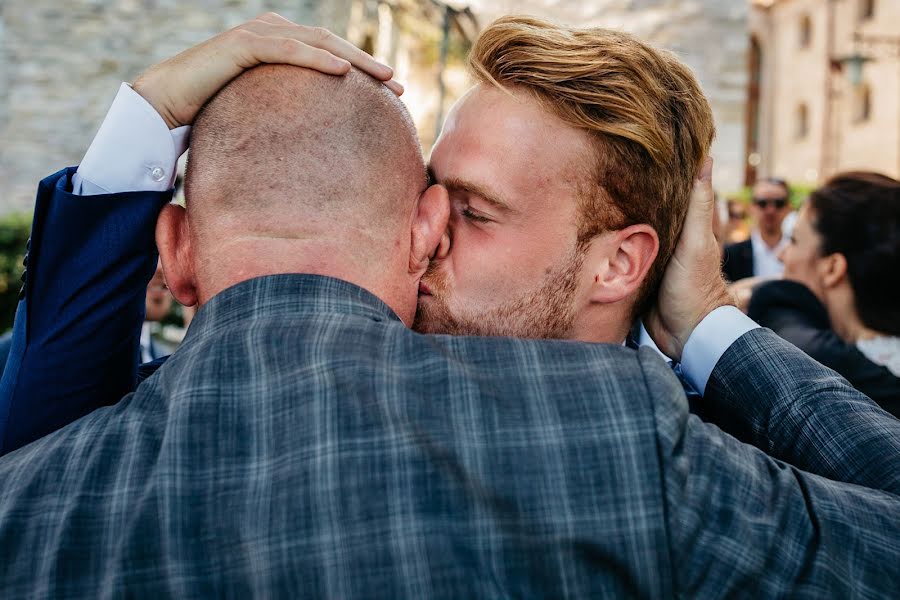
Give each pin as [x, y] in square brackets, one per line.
[304, 443]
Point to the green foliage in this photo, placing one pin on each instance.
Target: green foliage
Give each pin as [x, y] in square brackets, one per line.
[14, 231]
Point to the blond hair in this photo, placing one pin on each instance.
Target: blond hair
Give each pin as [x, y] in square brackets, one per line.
[651, 124]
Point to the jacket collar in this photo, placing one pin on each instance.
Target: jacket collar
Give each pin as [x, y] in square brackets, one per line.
[286, 295]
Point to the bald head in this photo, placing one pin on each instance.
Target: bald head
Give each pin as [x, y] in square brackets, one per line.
[288, 152]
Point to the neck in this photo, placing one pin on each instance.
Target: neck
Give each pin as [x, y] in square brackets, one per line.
[845, 319]
[771, 238]
[242, 258]
[606, 324]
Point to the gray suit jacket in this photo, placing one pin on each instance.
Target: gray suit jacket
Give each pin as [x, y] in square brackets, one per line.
[303, 443]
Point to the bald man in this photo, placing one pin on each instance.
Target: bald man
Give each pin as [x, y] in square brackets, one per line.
[304, 442]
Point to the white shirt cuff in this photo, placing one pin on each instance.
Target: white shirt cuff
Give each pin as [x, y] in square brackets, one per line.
[134, 150]
[709, 341]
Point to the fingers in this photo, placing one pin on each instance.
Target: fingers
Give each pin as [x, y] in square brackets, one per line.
[703, 198]
[271, 50]
[395, 87]
[272, 25]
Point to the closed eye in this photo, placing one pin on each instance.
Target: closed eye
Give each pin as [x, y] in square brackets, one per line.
[471, 215]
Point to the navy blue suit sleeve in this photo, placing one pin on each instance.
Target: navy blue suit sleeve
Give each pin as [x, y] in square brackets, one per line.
[76, 336]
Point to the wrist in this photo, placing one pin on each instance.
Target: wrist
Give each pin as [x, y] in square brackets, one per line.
[145, 90]
[710, 340]
[716, 299]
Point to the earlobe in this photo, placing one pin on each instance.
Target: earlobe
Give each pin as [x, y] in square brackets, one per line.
[428, 230]
[175, 252]
[621, 262]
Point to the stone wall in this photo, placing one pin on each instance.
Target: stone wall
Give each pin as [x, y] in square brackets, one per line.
[61, 64]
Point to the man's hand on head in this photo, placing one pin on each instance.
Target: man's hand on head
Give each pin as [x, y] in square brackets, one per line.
[692, 286]
[179, 87]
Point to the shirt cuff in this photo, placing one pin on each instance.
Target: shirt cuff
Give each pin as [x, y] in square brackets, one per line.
[709, 341]
[134, 150]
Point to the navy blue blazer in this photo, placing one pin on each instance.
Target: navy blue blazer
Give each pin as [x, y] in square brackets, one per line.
[78, 340]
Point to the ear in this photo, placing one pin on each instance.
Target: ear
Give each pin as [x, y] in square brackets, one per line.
[174, 242]
[428, 231]
[618, 262]
[833, 269]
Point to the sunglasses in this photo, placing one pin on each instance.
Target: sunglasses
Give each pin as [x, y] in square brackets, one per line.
[778, 203]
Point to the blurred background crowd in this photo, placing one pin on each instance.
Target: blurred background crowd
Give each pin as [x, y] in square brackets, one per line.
[802, 91]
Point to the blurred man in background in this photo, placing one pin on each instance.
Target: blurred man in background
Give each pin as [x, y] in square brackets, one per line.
[758, 256]
[158, 304]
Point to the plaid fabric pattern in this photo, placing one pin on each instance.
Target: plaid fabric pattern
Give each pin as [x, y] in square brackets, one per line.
[303, 443]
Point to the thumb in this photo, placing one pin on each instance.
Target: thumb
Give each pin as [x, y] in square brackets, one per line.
[702, 207]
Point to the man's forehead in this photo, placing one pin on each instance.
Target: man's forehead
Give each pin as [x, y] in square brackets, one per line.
[509, 144]
[768, 189]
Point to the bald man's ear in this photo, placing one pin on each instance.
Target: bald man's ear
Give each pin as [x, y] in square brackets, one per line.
[429, 228]
[618, 262]
[176, 254]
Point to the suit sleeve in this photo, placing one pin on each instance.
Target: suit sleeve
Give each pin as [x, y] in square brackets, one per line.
[77, 330]
[742, 524]
[768, 393]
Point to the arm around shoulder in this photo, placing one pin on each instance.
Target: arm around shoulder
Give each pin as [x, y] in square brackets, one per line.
[767, 392]
[740, 523]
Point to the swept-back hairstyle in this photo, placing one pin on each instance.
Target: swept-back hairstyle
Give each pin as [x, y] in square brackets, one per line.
[651, 124]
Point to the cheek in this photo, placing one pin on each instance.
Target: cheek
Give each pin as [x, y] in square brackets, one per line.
[800, 265]
[789, 258]
[486, 268]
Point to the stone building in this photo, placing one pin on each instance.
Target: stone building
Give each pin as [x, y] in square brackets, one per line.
[825, 88]
[61, 62]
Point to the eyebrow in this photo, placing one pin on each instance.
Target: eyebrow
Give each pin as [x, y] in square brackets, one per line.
[453, 183]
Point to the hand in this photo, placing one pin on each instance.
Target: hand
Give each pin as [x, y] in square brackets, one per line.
[179, 87]
[692, 286]
[742, 290]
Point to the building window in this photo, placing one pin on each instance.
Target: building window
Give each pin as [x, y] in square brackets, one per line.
[802, 127]
[805, 31]
[866, 9]
[862, 110]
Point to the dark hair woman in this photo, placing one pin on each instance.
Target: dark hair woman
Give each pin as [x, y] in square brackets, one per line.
[840, 300]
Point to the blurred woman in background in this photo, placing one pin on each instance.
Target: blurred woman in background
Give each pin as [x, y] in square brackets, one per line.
[840, 297]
